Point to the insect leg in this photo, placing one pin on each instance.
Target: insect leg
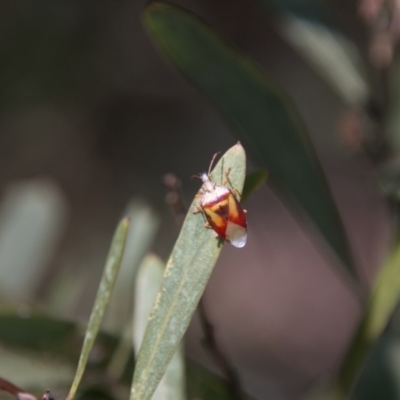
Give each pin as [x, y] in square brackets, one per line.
[227, 181]
[198, 210]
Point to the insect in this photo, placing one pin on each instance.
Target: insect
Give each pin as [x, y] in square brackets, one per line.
[222, 210]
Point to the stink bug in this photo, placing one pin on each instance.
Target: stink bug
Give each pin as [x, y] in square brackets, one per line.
[222, 209]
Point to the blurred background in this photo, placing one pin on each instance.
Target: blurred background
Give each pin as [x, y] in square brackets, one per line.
[92, 117]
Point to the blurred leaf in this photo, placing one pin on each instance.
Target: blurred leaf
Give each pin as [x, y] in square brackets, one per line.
[253, 182]
[389, 171]
[382, 303]
[392, 123]
[118, 319]
[23, 369]
[58, 339]
[32, 214]
[311, 10]
[188, 269]
[69, 283]
[122, 354]
[203, 384]
[335, 58]
[148, 282]
[142, 231]
[141, 235]
[110, 273]
[323, 392]
[261, 114]
[52, 338]
[45, 334]
[380, 378]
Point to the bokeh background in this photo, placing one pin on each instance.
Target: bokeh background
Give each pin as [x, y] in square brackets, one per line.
[92, 117]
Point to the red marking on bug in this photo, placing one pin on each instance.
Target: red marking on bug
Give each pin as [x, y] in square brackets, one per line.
[222, 210]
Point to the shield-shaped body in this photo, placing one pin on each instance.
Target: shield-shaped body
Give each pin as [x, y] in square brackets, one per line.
[223, 212]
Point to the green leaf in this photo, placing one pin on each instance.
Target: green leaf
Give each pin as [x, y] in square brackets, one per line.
[380, 378]
[331, 55]
[381, 305]
[253, 181]
[263, 117]
[148, 282]
[110, 274]
[319, 11]
[22, 369]
[323, 391]
[188, 270]
[50, 336]
[392, 117]
[45, 334]
[203, 384]
[142, 232]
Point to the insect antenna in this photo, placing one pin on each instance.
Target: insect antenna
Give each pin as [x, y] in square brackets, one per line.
[212, 162]
[196, 176]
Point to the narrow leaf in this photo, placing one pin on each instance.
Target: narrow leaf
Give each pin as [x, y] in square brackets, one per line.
[148, 282]
[316, 11]
[54, 337]
[262, 115]
[380, 377]
[188, 270]
[335, 58]
[381, 306]
[110, 273]
[142, 231]
[122, 354]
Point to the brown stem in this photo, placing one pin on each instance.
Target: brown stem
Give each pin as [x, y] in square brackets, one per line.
[9, 387]
[12, 389]
[220, 358]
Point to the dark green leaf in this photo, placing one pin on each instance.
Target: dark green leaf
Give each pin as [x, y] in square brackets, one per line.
[311, 10]
[381, 305]
[380, 378]
[45, 334]
[253, 181]
[202, 384]
[263, 117]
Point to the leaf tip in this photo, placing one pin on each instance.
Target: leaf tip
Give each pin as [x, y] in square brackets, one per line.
[126, 221]
[153, 6]
[238, 148]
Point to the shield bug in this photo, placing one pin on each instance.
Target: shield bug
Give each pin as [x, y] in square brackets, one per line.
[222, 210]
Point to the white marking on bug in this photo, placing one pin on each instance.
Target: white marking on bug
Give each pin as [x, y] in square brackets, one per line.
[236, 234]
[212, 191]
[211, 194]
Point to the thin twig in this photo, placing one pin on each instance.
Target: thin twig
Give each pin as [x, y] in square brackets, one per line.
[212, 345]
[12, 389]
